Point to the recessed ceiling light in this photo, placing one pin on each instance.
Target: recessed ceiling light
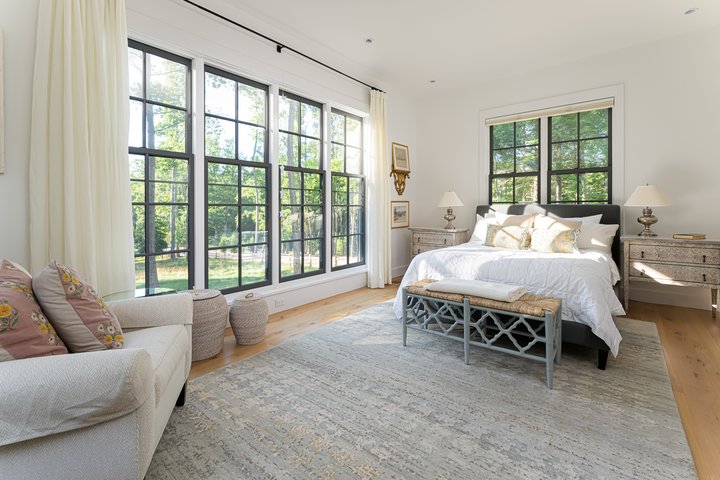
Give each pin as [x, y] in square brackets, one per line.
[691, 11]
[369, 40]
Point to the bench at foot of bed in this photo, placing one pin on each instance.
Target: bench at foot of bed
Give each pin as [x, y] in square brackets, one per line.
[518, 328]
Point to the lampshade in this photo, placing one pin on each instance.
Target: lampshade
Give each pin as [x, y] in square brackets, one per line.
[450, 199]
[647, 196]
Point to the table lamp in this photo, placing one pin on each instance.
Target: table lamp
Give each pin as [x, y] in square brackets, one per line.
[449, 200]
[647, 196]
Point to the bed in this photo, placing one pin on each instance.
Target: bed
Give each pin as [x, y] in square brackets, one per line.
[583, 280]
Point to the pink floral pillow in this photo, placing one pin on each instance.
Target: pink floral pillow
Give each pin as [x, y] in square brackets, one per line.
[83, 320]
[24, 329]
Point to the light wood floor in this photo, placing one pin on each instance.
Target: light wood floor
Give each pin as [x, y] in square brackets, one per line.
[690, 339]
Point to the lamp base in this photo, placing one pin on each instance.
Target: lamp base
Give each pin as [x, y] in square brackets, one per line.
[449, 217]
[647, 219]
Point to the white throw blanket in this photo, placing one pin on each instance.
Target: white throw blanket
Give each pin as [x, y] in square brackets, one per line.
[478, 288]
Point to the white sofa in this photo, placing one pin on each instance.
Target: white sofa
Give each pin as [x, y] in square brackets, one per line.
[98, 415]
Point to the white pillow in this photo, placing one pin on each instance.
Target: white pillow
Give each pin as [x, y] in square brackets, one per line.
[480, 232]
[543, 222]
[597, 237]
[506, 220]
[594, 219]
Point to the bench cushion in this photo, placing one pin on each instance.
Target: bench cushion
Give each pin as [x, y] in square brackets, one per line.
[529, 304]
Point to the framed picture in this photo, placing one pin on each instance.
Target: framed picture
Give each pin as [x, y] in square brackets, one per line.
[400, 214]
[400, 158]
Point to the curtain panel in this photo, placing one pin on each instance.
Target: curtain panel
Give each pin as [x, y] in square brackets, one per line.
[378, 249]
[80, 211]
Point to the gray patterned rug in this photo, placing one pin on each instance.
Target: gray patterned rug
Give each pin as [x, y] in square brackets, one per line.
[348, 401]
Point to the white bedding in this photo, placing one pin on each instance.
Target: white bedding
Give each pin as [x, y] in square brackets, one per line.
[582, 280]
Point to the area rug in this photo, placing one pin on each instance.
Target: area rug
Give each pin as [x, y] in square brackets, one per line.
[349, 401]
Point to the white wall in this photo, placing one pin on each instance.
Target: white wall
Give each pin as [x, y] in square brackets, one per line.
[672, 100]
[18, 22]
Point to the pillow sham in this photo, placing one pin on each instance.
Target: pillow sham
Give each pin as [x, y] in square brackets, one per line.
[597, 237]
[554, 241]
[83, 320]
[543, 222]
[481, 225]
[507, 220]
[24, 330]
[514, 237]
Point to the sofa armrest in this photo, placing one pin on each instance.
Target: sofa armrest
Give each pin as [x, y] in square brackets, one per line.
[46, 395]
[175, 309]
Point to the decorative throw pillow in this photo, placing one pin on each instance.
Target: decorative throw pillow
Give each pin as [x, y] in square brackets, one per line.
[83, 320]
[554, 241]
[24, 329]
[597, 237]
[513, 237]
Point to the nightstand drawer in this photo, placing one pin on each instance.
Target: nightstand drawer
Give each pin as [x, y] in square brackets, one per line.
[430, 238]
[699, 255]
[663, 272]
[418, 249]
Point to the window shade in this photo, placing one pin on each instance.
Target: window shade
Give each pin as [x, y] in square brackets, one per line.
[552, 111]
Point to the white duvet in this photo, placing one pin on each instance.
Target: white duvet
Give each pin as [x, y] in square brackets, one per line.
[582, 280]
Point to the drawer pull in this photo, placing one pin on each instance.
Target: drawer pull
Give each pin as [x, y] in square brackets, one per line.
[642, 254]
[704, 278]
[445, 241]
[642, 273]
[704, 257]
[418, 252]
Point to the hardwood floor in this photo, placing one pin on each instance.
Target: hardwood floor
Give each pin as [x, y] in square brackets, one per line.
[690, 340]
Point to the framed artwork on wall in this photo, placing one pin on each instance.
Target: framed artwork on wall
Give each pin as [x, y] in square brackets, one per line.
[400, 158]
[400, 212]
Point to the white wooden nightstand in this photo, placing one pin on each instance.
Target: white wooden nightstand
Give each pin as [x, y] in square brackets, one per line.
[669, 261]
[425, 239]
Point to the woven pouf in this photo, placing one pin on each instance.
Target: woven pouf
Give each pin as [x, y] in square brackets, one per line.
[210, 313]
[248, 318]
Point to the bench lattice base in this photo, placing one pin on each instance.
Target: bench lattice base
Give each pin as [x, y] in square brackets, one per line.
[533, 337]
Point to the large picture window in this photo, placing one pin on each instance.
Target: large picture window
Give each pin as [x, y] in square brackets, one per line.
[302, 191]
[160, 168]
[580, 157]
[238, 180]
[348, 190]
[515, 162]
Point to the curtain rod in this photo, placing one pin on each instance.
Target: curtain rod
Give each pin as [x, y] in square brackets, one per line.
[279, 46]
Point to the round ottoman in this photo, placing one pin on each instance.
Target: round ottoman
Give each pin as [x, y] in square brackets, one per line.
[248, 318]
[210, 313]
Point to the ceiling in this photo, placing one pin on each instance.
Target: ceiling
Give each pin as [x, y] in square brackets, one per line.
[462, 42]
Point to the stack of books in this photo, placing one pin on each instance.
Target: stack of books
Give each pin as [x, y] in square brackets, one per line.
[690, 236]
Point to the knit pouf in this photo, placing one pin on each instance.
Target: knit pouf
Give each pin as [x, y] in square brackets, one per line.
[210, 313]
[248, 318]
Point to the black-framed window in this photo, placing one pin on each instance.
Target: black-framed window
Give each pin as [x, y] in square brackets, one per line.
[238, 182]
[302, 191]
[161, 167]
[580, 157]
[515, 162]
[348, 190]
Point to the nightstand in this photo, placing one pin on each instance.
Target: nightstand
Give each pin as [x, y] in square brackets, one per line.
[426, 239]
[669, 261]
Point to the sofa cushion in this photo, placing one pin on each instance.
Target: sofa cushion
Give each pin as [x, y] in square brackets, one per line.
[24, 329]
[167, 345]
[83, 320]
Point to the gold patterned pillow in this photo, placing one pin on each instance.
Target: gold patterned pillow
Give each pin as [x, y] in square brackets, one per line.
[514, 237]
[554, 241]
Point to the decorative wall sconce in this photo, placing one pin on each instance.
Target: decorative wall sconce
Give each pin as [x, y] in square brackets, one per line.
[400, 166]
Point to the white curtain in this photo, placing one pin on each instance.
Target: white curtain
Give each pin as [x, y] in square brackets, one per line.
[378, 235]
[80, 210]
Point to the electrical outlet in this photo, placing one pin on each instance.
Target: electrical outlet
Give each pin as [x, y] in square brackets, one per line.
[279, 303]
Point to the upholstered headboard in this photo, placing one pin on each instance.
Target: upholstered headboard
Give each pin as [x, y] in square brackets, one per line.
[610, 215]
